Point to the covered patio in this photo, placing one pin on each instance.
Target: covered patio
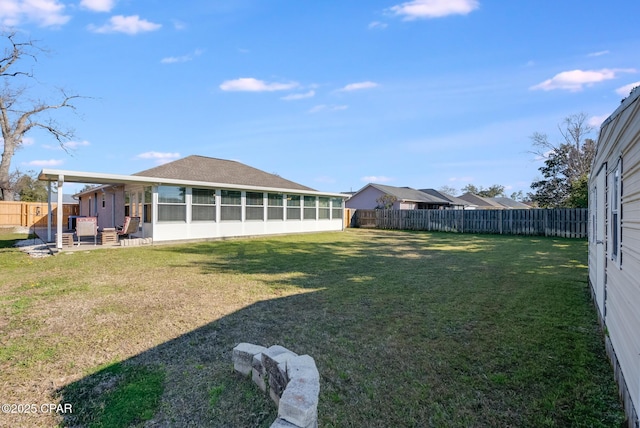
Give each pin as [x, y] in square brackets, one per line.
[196, 198]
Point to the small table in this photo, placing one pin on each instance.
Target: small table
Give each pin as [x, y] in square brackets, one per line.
[109, 236]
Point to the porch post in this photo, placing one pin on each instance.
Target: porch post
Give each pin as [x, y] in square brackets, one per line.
[49, 212]
[59, 213]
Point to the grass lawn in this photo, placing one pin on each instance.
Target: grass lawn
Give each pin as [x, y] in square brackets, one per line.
[407, 329]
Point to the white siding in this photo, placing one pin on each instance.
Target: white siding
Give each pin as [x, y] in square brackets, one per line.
[620, 140]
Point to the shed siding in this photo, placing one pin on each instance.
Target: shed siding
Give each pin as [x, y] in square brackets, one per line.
[620, 139]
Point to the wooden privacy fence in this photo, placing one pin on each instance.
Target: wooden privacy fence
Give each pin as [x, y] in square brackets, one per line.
[561, 222]
[32, 214]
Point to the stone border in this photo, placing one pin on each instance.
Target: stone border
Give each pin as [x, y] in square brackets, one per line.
[292, 381]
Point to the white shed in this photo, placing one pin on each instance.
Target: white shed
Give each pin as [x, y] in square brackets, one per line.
[614, 245]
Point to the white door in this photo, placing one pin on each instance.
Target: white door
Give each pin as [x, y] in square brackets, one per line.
[600, 239]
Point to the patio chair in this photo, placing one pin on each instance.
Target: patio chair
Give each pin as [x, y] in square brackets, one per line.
[87, 226]
[130, 226]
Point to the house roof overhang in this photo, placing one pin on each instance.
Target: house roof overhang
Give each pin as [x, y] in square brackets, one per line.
[102, 178]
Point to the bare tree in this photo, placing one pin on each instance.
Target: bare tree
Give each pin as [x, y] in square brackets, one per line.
[19, 114]
[567, 163]
[574, 131]
[449, 190]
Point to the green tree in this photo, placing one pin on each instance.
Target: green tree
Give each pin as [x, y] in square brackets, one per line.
[385, 202]
[579, 192]
[490, 192]
[566, 164]
[27, 187]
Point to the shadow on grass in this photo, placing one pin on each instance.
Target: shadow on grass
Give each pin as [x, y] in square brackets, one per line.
[407, 329]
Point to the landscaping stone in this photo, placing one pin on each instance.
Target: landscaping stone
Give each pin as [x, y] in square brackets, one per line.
[299, 402]
[271, 358]
[243, 357]
[281, 423]
[294, 381]
[258, 372]
[302, 366]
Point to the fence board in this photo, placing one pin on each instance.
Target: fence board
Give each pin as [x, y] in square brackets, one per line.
[562, 222]
[32, 214]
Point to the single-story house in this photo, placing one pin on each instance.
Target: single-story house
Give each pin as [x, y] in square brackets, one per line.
[498, 203]
[614, 245]
[400, 198]
[456, 203]
[200, 197]
[510, 204]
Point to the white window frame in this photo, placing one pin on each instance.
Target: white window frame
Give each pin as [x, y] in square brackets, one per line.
[615, 214]
[224, 205]
[272, 209]
[161, 204]
[210, 206]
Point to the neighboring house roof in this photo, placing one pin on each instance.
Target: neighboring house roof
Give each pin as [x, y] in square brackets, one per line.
[213, 170]
[407, 194]
[452, 199]
[480, 202]
[510, 203]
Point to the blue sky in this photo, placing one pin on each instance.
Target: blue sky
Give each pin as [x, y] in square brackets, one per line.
[330, 94]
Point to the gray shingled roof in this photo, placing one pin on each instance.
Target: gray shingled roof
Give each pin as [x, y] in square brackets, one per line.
[446, 197]
[510, 203]
[480, 201]
[409, 194]
[212, 170]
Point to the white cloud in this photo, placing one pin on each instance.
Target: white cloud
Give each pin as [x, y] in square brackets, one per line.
[249, 84]
[45, 13]
[596, 121]
[126, 24]
[576, 80]
[377, 25]
[179, 25]
[76, 144]
[467, 179]
[599, 53]
[183, 58]
[159, 157]
[358, 86]
[98, 5]
[293, 97]
[417, 9]
[625, 90]
[324, 107]
[376, 179]
[43, 163]
[72, 145]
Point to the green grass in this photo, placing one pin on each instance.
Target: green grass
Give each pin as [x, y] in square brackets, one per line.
[126, 396]
[407, 329]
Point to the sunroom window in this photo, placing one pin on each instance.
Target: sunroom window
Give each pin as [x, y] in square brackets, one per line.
[203, 205]
[309, 207]
[293, 207]
[254, 209]
[275, 206]
[230, 205]
[171, 204]
[324, 209]
[336, 208]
